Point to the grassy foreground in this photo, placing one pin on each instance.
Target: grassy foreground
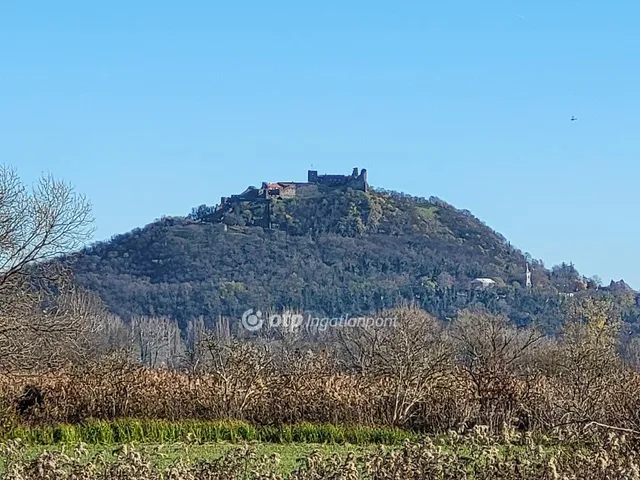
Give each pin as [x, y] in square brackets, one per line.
[447, 457]
[162, 456]
[196, 431]
[130, 449]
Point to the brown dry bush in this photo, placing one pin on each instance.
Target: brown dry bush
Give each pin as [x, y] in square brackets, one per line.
[421, 375]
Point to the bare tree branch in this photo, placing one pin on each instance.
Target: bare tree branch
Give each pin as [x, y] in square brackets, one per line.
[44, 318]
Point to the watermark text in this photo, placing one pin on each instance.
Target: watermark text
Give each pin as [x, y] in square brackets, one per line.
[254, 320]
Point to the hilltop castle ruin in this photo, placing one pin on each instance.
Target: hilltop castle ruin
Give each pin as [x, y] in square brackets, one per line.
[355, 180]
[310, 188]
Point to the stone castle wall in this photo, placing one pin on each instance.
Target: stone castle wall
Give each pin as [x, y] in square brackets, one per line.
[357, 181]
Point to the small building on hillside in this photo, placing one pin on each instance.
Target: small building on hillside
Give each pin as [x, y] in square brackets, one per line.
[482, 283]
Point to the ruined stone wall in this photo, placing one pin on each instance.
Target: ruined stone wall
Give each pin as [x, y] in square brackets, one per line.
[288, 191]
[356, 180]
[306, 190]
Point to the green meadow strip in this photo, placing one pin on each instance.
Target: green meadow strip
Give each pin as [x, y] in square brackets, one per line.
[125, 430]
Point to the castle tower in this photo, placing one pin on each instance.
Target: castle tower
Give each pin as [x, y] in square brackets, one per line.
[529, 284]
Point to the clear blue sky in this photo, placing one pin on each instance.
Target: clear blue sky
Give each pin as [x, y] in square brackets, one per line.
[153, 107]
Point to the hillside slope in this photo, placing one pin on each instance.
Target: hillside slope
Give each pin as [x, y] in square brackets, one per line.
[342, 252]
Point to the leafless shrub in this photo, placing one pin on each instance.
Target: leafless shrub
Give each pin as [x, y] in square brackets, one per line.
[236, 375]
[496, 361]
[410, 359]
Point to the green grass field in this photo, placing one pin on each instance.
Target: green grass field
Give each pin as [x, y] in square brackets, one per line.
[164, 442]
[202, 431]
[163, 455]
[199, 449]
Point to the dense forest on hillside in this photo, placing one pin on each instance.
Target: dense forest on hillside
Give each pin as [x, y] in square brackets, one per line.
[343, 252]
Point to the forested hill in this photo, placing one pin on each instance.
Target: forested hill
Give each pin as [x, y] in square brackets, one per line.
[344, 251]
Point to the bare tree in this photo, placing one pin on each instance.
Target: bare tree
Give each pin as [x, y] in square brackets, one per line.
[48, 327]
[586, 361]
[37, 225]
[495, 357]
[409, 356]
[113, 338]
[194, 333]
[43, 317]
[157, 340]
[237, 373]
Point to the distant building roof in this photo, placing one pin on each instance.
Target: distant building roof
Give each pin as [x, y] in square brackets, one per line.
[485, 282]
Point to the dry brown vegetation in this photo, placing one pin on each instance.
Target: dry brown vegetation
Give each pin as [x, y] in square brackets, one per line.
[421, 374]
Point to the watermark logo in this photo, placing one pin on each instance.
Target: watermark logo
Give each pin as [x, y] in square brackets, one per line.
[288, 320]
[252, 321]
